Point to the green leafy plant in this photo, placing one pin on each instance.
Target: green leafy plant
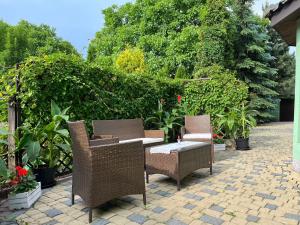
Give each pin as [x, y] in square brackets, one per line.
[169, 122]
[238, 122]
[43, 143]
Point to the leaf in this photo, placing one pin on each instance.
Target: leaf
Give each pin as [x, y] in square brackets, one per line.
[4, 132]
[63, 132]
[55, 110]
[65, 147]
[33, 150]
[3, 142]
[4, 172]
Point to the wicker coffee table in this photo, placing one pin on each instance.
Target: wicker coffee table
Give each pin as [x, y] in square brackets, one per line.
[177, 160]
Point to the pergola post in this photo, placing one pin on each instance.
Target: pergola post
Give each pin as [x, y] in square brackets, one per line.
[296, 145]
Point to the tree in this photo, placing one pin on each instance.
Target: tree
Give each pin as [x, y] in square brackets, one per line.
[131, 60]
[254, 59]
[25, 39]
[166, 30]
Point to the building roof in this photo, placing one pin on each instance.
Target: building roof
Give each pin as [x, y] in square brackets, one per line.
[284, 17]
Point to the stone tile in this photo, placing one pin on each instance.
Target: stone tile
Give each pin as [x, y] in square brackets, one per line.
[217, 208]
[189, 206]
[175, 222]
[163, 193]
[53, 212]
[100, 222]
[158, 209]
[52, 222]
[292, 216]
[230, 188]
[211, 220]
[251, 218]
[193, 196]
[266, 196]
[271, 206]
[152, 186]
[209, 191]
[137, 218]
[281, 188]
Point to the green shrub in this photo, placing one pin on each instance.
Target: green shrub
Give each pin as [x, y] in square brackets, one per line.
[215, 95]
[181, 73]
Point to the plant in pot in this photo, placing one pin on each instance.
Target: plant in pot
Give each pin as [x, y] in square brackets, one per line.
[43, 145]
[219, 143]
[237, 124]
[246, 122]
[24, 189]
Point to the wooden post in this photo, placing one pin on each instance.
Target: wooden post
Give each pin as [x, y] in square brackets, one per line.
[11, 158]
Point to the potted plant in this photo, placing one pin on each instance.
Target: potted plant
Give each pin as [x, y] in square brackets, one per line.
[25, 190]
[246, 122]
[237, 124]
[219, 143]
[43, 144]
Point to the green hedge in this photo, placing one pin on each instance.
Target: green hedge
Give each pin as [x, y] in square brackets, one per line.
[96, 94]
[91, 92]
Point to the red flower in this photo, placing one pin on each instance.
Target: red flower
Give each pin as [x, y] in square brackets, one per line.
[179, 99]
[22, 172]
[215, 136]
[18, 168]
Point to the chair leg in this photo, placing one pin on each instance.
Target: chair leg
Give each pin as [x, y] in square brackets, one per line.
[210, 170]
[90, 215]
[72, 198]
[144, 198]
[178, 185]
[147, 178]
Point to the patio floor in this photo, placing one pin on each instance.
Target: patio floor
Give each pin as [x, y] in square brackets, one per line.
[251, 187]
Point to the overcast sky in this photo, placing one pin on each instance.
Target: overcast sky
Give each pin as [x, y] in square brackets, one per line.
[74, 20]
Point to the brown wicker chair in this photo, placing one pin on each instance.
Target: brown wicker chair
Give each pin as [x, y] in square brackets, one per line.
[198, 128]
[127, 130]
[104, 169]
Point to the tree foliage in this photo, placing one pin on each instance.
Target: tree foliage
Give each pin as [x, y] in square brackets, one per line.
[25, 39]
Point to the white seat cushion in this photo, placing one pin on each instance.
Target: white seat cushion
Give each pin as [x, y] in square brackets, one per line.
[145, 140]
[183, 146]
[197, 135]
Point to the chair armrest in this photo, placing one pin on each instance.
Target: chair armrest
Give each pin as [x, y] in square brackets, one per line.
[104, 141]
[182, 131]
[104, 136]
[154, 133]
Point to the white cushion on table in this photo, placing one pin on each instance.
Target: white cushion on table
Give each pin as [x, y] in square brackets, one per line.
[196, 135]
[145, 140]
[168, 148]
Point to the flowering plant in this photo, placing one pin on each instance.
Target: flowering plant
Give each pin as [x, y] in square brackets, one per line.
[21, 180]
[218, 139]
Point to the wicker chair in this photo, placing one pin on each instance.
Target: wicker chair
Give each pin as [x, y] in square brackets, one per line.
[127, 130]
[198, 128]
[105, 169]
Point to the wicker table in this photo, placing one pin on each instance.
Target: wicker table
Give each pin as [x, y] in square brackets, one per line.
[177, 160]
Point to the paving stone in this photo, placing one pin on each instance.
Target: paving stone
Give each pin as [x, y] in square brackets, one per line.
[211, 220]
[128, 199]
[292, 216]
[271, 206]
[209, 191]
[175, 222]
[100, 222]
[152, 186]
[281, 188]
[163, 193]
[251, 218]
[158, 209]
[137, 218]
[189, 206]
[278, 175]
[53, 212]
[217, 208]
[52, 222]
[230, 188]
[266, 196]
[249, 182]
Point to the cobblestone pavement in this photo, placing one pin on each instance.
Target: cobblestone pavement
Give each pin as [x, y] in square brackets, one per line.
[251, 187]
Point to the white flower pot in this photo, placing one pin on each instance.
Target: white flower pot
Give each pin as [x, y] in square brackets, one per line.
[220, 147]
[24, 200]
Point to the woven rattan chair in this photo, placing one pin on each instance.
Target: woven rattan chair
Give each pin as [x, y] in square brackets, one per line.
[104, 169]
[198, 128]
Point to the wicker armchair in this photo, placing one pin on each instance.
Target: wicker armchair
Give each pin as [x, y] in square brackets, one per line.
[198, 128]
[104, 169]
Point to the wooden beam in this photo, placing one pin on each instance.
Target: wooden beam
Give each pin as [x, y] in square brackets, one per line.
[11, 141]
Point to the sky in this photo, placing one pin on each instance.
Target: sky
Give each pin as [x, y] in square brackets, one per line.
[76, 21]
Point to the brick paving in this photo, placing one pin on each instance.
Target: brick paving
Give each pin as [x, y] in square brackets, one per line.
[251, 187]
